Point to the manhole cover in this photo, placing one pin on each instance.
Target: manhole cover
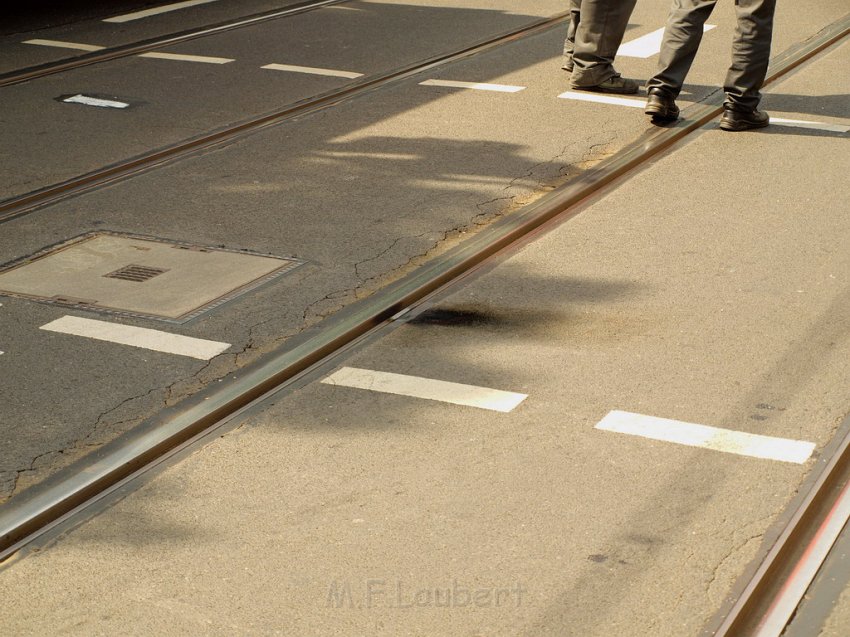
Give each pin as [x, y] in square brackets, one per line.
[139, 276]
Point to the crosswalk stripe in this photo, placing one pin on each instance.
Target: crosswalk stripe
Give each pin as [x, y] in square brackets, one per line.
[726, 440]
[427, 388]
[137, 337]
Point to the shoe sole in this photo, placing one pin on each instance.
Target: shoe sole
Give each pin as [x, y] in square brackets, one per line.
[599, 89]
[662, 114]
[737, 128]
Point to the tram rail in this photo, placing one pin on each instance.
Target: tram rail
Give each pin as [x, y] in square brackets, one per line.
[114, 53]
[66, 497]
[21, 205]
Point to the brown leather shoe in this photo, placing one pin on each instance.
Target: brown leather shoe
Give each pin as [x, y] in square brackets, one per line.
[733, 120]
[661, 106]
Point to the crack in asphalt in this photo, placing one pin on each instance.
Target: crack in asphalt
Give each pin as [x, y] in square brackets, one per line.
[313, 313]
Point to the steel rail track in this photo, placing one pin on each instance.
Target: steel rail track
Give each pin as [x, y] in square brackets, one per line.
[24, 204]
[114, 53]
[64, 499]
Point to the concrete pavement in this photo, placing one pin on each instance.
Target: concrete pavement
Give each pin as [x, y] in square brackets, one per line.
[712, 289]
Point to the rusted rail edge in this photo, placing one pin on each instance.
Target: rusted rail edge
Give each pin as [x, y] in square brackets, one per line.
[115, 53]
[34, 512]
[24, 204]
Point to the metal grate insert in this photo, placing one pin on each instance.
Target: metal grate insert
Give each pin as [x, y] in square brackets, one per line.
[136, 273]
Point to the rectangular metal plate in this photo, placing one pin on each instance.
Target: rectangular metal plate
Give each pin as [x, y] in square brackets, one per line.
[139, 276]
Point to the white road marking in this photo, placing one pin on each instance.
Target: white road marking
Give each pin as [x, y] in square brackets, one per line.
[800, 123]
[94, 101]
[602, 99]
[138, 15]
[477, 86]
[427, 388]
[65, 45]
[648, 45]
[186, 58]
[727, 440]
[311, 70]
[137, 337]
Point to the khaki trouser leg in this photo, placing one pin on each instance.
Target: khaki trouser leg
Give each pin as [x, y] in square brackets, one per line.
[570, 42]
[682, 36]
[600, 31]
[750, 53]
[750, 50]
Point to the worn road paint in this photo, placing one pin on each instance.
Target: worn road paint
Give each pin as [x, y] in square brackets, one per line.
[312, 70]
[95, 101]
[801, 123]
[138, 15]
[477, 86]
[186, 58]
[427, 388]
[727, 440]
[137, 337]
[602, 99]
[648, 45]
[65, 45]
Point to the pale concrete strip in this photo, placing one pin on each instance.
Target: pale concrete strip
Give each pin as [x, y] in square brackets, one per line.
[186, 58]
[94, 101]
[311, 70]
[602, 99]
[138, 15]
[730, 441]
[427, 388]
[801, 123]
[65, 45]
[476, 86]
[648, 45]
[137, 337]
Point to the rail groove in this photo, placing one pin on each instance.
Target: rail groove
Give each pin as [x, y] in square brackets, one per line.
[24, 204]
[32, 514]
[114, 53]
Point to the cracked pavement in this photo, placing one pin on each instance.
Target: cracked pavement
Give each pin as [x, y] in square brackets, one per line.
[659, 298]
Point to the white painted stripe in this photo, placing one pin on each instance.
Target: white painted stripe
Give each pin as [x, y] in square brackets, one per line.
[477, 86]
[65, 45]
[156, 11]
[137, 337]
[648, 45]
[800, 123]
[311, 70]
[186, 58]
[602, 99]
[430, 389]
[94, 101]
[727, 440]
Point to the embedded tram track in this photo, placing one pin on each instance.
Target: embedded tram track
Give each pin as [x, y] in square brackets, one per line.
[26, 203]
[66, 499]
[117, 52]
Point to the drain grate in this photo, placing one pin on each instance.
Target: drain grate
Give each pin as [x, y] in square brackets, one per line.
[88, 272]
[137, 273]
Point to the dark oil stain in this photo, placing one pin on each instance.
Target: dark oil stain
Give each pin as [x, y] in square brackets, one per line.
[598, 558]
[757, 417]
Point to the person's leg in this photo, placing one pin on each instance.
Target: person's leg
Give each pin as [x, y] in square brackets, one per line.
[599, 34]
[750, 54]
[569, 43]
[682, 36]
